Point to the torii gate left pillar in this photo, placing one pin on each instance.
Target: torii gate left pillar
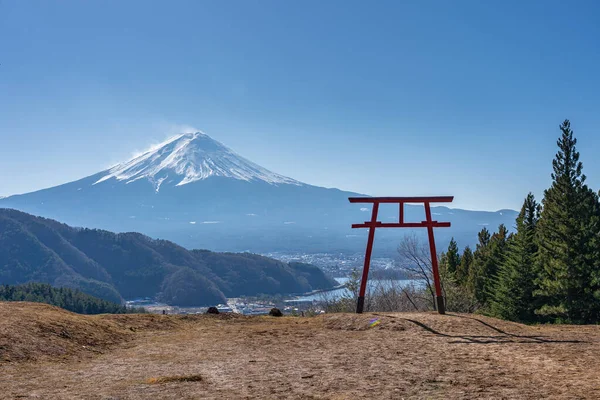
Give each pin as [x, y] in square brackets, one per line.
[429, 223]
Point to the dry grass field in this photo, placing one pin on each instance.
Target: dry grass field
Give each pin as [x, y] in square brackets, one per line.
[48, 353]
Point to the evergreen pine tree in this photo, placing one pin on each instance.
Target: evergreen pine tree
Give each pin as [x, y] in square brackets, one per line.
[474, 279]
[452, 258]
[443, 263]
[568, 239]
[487, 258]
[466, 260]
[498, 249]
[513, 291]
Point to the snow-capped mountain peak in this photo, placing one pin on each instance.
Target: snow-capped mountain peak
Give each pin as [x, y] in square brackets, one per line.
[188, 158]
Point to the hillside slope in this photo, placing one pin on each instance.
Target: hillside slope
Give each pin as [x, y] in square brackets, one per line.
[129, 265]
[35, 331]
[337, 356]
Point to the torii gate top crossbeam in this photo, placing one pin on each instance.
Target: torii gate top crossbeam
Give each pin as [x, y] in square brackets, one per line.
[434, 199]
[401, 201]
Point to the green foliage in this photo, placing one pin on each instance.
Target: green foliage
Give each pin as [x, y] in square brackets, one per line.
[69, 299]
[466, 262]
[458, 297]
[549, 271]
[488, 256]
[568, 231]
[476, 277]
[452, 258]
[513, 292]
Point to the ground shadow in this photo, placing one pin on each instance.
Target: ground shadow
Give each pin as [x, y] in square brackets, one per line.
[532, 337]
[505, 337]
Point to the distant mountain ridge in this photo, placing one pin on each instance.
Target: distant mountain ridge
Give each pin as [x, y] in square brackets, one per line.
[129, 265]
[197, 192]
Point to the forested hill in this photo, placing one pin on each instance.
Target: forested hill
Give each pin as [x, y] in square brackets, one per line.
[129, 265]
[69, 299]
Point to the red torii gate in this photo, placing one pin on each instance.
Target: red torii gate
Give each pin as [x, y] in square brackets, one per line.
[429, 223]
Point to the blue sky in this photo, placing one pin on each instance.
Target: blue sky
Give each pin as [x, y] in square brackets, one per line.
[384, 98]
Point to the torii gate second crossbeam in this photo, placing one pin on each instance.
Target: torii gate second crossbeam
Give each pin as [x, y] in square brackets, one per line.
[429, 223]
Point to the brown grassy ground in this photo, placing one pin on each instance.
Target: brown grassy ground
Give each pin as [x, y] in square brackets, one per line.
[47, 353]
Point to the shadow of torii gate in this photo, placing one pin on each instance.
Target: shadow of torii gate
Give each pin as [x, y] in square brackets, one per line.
[429, 223]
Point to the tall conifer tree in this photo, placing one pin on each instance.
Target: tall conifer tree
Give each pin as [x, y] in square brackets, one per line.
[475, 277]
[513, 291]
[452, 258]
[487, 258]
[568, 238]
[466, 260]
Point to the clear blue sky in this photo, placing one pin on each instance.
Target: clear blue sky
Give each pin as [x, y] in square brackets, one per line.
[384, 98]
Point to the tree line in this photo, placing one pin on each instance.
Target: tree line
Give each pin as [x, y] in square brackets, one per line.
[548, 270]
[69, 299]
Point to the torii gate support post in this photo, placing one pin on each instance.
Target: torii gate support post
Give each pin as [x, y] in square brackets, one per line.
[429, 223]
[439, 298]
[360, 303]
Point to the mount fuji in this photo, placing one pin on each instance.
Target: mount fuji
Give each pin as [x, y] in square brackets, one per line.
[195, 191]
[188, 158]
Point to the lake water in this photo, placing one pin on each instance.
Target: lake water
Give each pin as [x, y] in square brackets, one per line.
[372, 286]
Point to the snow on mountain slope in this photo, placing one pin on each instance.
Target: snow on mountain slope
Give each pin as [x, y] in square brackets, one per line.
[191, 157]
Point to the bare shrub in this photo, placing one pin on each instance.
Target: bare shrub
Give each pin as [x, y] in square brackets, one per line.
[415, 261]
[392, 295]
[385, 295]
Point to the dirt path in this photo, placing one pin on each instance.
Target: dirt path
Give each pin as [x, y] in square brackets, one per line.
[330, 357]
